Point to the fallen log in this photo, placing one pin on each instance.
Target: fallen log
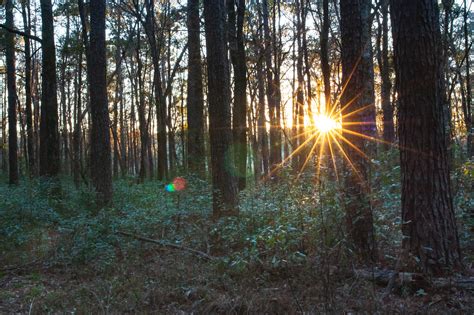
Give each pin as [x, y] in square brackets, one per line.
[383, 277]
[167, 244]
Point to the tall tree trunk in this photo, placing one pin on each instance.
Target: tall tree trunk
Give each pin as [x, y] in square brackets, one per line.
[262, 125]
[469, 114]
[430, 241]
[299, 158]
[76, 143]
[237, 53]
[307, 64]
[49, 135]
[325, 67]
[12, 99]
[160, 101]
[225, 197]
[144, 170]
[195, 102]
[65, 96]
[101, 168]
[357, 75]
[387, 108]
[275, 154]
[25, 10]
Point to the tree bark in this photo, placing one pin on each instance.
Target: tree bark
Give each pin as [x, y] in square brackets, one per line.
[430, 239]
[49, 134]
[195, 102]
[325, 67]
[25, 10]
[469, 117]
[12, 99]
[387, 108]
[160, 100]
[224, 187]
[101, 168]
[275, 146]
[357, 75]
[237, 53]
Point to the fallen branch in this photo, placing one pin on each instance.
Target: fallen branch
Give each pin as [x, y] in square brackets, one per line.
[384, 277]
[167, 244]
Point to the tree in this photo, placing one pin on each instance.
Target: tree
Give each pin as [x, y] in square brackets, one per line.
[49, 135]
[325, 67]
[101, 168]
[195, 102]
[12, 99]
[358, 112]
[430, 239]
[383, 60]
[223, 184]
[468, 112]
[272, 99]
[25, 11]
[237, 53]
[160, 97]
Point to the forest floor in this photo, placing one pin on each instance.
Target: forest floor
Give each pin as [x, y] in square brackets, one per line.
[285, 253]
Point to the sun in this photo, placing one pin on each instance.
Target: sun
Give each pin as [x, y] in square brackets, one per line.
[325, 123]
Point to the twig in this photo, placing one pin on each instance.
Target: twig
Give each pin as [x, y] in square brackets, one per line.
[167, 244]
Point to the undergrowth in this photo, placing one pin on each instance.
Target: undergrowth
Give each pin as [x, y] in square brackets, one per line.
[288, 230]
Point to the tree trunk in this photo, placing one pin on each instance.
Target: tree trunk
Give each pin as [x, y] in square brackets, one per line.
[12, 99]
[357, 75]
[25, 10]
[224, 187]
[160, 101]
[469, 117]
[195, 102]
[430, 239]
[101, 168]
[49, 135]
[144, 170]
[325, 67]
[275, 154]
[387, 108]
[237, 53]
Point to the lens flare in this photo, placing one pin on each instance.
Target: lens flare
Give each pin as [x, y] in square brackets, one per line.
[178, 184]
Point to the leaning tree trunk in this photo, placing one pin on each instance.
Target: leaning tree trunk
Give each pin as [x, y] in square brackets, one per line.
[11, 87]
[101, 168]
[430, 239]
[357, 75]
[223, 184]
[195, 102]
[49, 134]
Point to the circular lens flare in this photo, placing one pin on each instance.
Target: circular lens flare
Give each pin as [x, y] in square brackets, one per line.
[324, 123]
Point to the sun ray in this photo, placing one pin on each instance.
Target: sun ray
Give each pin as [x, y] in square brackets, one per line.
[357, 111]
[354, 147]
[338, 100]
[310, 154]
[333, 158]
[339, 111]
[299, 148]
[321, 151]
[344, 154]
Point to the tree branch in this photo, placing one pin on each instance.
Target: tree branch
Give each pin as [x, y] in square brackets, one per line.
[18, 32]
